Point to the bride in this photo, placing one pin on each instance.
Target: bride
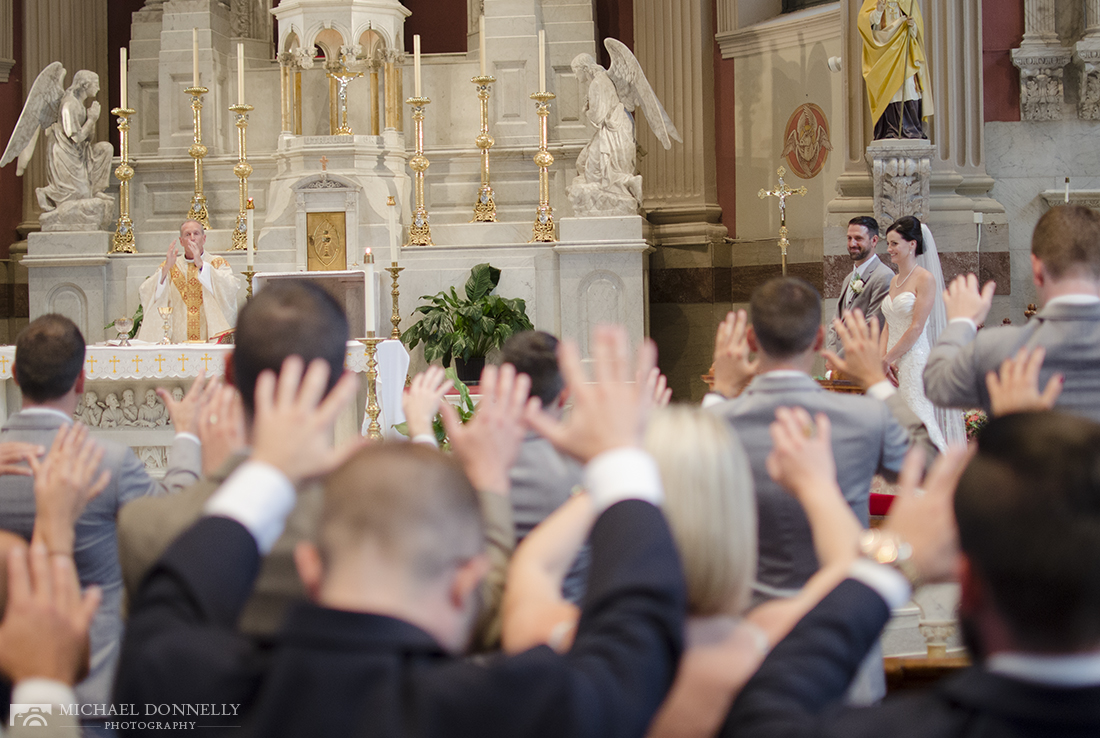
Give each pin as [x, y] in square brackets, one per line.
[915, 316]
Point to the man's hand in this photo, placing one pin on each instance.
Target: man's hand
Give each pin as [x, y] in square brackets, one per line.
[657, 385]
[488, 444]
[185, 413]
[962, 299]
[64, 483]
[608, 413]
[802, 453]
[13, 453]
[292, 429]
[926, 519]
[170, 261]
[421, 400]
[732, 368]
[44, 633]
[1016, 388]
[862, 358]
[221, 427]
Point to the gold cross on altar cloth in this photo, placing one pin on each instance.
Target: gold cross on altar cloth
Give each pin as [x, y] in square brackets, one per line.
[782, 192]
[91, 361]
[137, 363]
[183, 363]
[206, 359]
[160, 362]
[114, 364]
[4, 363]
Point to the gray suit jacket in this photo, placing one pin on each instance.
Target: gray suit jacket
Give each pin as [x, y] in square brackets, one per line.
[877, 281]
[95, 547]
[868, 437]
[958, 363]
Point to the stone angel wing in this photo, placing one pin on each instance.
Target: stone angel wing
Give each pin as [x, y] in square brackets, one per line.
[39, 113]
[634, 90]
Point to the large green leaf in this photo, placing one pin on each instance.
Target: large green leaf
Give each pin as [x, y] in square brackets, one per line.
[483, 280]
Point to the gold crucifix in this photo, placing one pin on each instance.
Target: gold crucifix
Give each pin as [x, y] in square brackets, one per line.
[324, 163]
[782, 192]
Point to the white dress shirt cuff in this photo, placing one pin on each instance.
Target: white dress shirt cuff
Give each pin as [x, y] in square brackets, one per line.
[42, 692]
[259, 497]
[711, 399]
[623, 474]
[882, 390]
[427, 439]
[888, 582]
[968, 321]
[162, 284]
[204, 274]
[184, 435]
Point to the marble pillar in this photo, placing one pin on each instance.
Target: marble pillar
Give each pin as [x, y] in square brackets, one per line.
[73, 32]
[1041, 59]
[7, 39]
[1087, 55]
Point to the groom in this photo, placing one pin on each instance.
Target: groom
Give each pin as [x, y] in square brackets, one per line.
[867, 284]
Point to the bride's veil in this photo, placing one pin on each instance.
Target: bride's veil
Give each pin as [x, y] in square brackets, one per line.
[950, 420]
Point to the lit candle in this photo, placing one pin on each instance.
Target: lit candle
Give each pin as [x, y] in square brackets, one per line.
[1067, 190]
[542, 61]
[481, 42]
[122, 75]
[391, 214]
[240, 73]
[368, 292]
[194, 57]
[416, 62]
[250, 238]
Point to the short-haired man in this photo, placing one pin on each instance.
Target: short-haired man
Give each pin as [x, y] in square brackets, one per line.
[49, 369]
[202, 294]
[867, 284]
[1065, 265]
[1027, 509]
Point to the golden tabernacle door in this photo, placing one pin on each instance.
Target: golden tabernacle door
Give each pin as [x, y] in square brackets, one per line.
[326, 242]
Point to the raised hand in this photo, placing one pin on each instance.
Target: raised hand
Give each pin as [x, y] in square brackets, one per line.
[65, 481]
[185, 413]
[658, 388]
[170, 261]
[802, 453]
[862, 349]
[221, 427]
[963, 299]
[1015, 389]
[488, 444]
[732, 368]
[421, 400]
[294, 419]
[14, 453]
[44, 633]
[608, 413]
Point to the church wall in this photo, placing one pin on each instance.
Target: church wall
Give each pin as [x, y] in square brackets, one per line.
[441, 24]
[1002, 30]
[11, 103]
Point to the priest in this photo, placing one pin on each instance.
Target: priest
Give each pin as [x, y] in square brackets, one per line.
[201, 290]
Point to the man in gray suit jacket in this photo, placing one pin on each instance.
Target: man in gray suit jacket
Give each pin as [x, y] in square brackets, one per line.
[1065, 263]
[49, 369]
[867, 285]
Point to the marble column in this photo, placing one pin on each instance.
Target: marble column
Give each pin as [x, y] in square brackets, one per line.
[1041, 60]
[73, 32]
[1087, 55]
[7, 39]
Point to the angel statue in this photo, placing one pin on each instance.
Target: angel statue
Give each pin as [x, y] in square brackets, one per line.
[607, 182]
[76, 167]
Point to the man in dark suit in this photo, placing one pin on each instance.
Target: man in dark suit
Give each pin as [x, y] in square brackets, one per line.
[394, 575]
[867, 285]
[1065, 263]
[1028, 510]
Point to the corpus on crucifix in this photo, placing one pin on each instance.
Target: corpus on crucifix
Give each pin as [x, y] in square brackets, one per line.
[782, 192]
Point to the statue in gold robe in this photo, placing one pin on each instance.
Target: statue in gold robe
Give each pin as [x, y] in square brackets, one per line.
[895, 67]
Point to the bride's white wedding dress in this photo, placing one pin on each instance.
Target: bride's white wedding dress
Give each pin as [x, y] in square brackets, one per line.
[899, 316]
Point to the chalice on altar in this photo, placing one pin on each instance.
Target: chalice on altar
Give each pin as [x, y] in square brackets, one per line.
[123, 326]
[166, 314]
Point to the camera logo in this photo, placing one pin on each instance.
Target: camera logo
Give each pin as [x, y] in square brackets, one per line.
[32, 715]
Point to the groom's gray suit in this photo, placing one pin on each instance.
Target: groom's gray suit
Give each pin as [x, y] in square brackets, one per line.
[1070, 333]
[876, 287]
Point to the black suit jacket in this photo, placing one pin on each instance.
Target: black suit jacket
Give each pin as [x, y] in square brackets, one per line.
[336, 673]
[799, 688]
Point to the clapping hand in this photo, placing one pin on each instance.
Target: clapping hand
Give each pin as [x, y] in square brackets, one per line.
[65, 481]
[185, 413]
[170, 261]
[801, 458]
[422, 399]
[1016, 388]
[13, 454]
[963, 299]
[862, 349]
[657, 385]
[732, 368]
[221, 427]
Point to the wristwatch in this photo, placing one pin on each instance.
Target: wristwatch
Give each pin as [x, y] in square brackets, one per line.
[885, 547]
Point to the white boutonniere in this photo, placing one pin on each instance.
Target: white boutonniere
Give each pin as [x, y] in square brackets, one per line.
[857, 285]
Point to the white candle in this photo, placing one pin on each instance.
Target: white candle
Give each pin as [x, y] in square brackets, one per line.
[368, 292]
[251, 235]
[391, 215]
[416, 62]
[1067, 190]
[194, 57]
[542, 61]
[240, 73]
[481, 42]
[122, 76]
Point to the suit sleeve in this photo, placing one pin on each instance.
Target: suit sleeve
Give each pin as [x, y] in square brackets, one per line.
[809, 671]
[135, 482]
[951, 376]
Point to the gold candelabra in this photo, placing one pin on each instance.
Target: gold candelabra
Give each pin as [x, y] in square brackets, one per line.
[544, 216]
[123, 241]
[420, 232]
[243, 170]
[249, 274]
[395, 317]
[374, 430]
[197, 151]
[485, 209]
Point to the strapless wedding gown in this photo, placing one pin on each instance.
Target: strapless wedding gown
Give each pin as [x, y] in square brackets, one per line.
[899, 316]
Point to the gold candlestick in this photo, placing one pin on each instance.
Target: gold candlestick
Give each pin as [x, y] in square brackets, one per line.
[249, 274]
[544, 216]
[123, 241]
[485, 209]
[374, 430]
[243, 170]
[198, 151]
[420, 232]
[395, 318]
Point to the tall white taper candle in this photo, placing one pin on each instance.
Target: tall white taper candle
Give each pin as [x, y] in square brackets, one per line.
[368, 293]
[251, 236]
[391, 216]
[542, 61]
[122, 76]
[240, 73]
[194, 57]
[416, 61]
[481, 41]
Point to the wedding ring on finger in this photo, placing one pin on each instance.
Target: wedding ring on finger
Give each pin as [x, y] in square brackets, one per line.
[213, 420]
[809, 430]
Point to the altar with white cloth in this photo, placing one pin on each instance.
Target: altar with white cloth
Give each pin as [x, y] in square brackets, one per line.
[119, 402]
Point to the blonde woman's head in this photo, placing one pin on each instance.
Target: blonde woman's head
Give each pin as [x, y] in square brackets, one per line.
[710, 505]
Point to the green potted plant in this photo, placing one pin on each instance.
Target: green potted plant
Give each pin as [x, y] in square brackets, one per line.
[467, 327]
